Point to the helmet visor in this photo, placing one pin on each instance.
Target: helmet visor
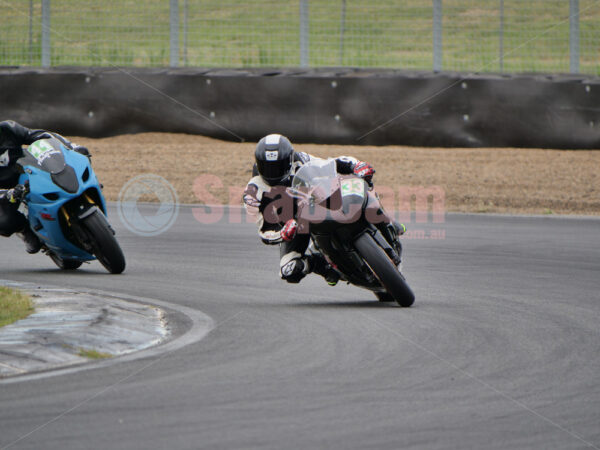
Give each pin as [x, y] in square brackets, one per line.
[274, 171]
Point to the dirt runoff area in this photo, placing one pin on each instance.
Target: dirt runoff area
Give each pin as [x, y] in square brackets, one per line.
[498, 180]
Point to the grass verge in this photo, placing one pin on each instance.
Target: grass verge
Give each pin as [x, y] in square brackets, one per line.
[93, 354]
[14, 305]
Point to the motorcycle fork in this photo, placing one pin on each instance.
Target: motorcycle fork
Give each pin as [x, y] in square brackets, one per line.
[388, 242]
[89, 199]
[385, 227]
[66, 214]
[72, 229]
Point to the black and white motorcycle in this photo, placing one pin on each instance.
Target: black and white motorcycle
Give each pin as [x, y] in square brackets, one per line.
[344, 218]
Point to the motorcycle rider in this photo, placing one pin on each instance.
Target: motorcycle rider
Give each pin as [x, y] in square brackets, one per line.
[276, 162]
[12, 137]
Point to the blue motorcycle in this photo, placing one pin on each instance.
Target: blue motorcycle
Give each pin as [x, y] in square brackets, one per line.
[66, 208]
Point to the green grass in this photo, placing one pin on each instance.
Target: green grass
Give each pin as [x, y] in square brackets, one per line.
[93, 354]
[14, 305]
[265, 33]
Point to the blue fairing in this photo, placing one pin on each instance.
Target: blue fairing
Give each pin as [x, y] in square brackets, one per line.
[46, 198]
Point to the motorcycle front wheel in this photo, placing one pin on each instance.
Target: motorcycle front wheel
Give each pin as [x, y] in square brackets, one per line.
[385, 270]
[105, 246]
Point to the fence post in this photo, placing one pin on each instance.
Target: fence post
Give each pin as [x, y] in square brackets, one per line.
[304, 33]
[501, 37]
[437, 35]
[574, 35]
[185, 33]
[342, 30]
[30, 57]
[46, 46]
[174, 32]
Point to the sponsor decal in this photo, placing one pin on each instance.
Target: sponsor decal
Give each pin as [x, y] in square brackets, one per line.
[271, 155]
[288, 269]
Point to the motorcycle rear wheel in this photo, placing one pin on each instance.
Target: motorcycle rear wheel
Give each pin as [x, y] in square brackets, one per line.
[105, 246]
[385, 270]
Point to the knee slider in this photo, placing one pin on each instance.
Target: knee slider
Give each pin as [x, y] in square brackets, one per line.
[293, 271]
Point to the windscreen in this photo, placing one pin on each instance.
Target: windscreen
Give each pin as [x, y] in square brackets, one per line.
[317, 178]
[48, 154]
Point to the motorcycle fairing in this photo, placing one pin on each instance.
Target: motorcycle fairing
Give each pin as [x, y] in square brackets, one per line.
[56, 176]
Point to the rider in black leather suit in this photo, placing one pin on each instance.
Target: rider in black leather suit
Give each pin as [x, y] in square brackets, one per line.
[12, 138]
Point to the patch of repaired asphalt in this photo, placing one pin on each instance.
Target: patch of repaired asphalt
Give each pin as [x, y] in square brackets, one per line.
[65, 322]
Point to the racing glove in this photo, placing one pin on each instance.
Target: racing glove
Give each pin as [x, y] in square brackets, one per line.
[365, 171]
[16, 194]
[270, 237]
[252, 205]
[288, 232]
[251, 200]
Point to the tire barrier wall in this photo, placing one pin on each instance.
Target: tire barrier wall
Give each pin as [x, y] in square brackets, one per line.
[365, 107]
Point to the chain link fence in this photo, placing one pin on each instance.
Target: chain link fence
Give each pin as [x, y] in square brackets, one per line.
[456, 35]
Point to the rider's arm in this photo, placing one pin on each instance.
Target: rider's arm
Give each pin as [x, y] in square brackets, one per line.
[253, 202]
[14, 195]
[27, 136]
[349, 165]
[345, 164]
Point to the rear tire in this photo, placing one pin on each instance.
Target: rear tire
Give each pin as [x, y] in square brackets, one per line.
[385, 270]
[104, 245]
[65, 264]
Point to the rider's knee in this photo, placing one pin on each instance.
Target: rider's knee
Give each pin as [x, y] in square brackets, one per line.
[293, 271]
[11, 222]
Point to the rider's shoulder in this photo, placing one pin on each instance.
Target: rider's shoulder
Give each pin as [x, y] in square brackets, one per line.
[348, 159]
[259, 183]
[302, 157]
[10, 127]
[8, 124]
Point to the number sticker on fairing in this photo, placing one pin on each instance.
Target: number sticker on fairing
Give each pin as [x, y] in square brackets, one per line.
[41, 150]
[353, 187]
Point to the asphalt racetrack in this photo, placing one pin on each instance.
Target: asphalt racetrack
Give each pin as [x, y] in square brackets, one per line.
[500, 350]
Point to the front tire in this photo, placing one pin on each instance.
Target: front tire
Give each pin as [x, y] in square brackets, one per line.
[104, 245]
[385, 270]
[384, 297]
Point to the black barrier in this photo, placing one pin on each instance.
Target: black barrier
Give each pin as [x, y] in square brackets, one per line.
[365, 107]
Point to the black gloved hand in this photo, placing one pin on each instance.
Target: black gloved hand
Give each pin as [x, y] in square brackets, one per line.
[16, 194]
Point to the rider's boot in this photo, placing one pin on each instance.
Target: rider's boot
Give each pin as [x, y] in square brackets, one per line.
[319, 265]
[400, 228]
[32, 242]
